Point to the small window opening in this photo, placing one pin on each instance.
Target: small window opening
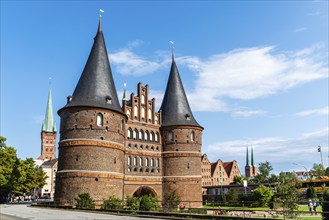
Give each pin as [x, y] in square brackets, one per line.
[108, 100]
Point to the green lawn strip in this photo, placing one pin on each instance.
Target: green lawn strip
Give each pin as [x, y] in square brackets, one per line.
[237, 208]
[305, 208]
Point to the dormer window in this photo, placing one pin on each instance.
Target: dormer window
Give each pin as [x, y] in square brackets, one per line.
[69, 99]
[171, 136]
[108, 100]
[188, 117]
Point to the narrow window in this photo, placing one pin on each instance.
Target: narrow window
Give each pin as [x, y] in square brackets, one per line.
[99, 119]
[156, 138]
[135, 112]
[140, 161]
[152, 162]
[152, 136]
[134, 134]
[135, 161]
[141, 135]
[129, 133]
[129, 161]
[149, 115]
[142, 99]
[157, 162]
[171, 136]
[146, 136]
[143, 113]
[147, 162]
[192, 136]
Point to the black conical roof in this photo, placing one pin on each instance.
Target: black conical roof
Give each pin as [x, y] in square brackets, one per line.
[175, 107]
[96, 86]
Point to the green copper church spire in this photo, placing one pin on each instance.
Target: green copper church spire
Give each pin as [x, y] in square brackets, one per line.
[247, 158]
[48, 124]
[252, 156]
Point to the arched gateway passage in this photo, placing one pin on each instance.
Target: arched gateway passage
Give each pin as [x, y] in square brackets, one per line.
[144, 190]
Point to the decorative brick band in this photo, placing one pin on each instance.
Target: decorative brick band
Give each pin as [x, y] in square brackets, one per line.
[181, 178]
[144, 153]
[181, 154]
[90, 142]
[90, 174]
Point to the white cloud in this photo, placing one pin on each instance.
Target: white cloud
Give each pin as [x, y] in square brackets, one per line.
[281, 152]
[252, 73]
[318, 111]
[248, 113]
[316, 13]
[300, 29]
[128, 63]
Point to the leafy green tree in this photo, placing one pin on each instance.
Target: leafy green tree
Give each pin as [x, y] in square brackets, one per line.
[262, 195]
[318, 170]
[327, 171]
[112, 203]
[85, 201]
[325, 205]
[238, 180]
[310, 193]
[233, 196]
[148, 203]
[264, 171]
[132, 203]
[287, 194]
[171, 200]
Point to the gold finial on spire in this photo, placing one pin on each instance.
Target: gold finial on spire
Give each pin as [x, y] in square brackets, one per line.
[100, 19]
[172, 50]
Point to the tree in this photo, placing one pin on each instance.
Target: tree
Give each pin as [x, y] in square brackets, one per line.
[148, 203]
[132, 203]
[238, 180]
[85, 201]
[325, 205]
[171, 200]
[327, 171]
[112, 203]
[262, 195]
[318, 170]
[287, 194]
[264, 172]
[310, 193]
[233, 196]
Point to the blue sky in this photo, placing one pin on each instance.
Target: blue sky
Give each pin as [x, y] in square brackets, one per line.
[255, 72]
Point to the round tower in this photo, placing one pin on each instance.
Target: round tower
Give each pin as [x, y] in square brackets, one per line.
[91, 147]
[182, 140]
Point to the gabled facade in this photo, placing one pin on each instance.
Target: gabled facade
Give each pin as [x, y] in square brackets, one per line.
[108, 150]
[218, 173]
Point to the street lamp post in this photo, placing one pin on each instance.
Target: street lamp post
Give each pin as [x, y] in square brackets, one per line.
[302, 166]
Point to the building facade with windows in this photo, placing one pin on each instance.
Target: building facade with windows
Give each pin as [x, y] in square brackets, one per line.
[107, 149]
[218, 173]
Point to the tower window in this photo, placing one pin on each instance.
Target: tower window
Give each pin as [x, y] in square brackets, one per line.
[108, 100]
[192, 136]
[188, 117]
[99, 119]
[171, 136]
[129, 160]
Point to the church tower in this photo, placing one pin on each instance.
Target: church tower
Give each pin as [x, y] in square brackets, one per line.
[91, 147]
[48, 133]
[250, 168]
[182, 140]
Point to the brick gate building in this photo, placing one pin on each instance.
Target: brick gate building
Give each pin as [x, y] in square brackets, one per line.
[110, 150]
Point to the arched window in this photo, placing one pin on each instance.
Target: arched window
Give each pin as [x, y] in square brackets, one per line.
[152, 162]
[147, 162]
[135, 112]
[152, 136]
[143, 113]
[192, 136]
[135, 134]
[146, 136]
[171, 136]
[149, 116]
[129, 133]
[128, 113]
[99, 119]
[140, 161]
[129, 161]
[142, 99]
[135, 161]
[141, 135]
[157, 162]
[156, 138]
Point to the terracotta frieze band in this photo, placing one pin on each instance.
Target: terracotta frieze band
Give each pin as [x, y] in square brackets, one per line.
[90, 142]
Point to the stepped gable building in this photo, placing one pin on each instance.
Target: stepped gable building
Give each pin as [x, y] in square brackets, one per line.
[250, 169]
[219, 173]
[108, 150]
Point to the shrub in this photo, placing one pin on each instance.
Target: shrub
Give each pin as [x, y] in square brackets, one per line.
[132, 203]
[171, 200]
[85, 201]
[112, 203]
[148, 203]
[263, 195]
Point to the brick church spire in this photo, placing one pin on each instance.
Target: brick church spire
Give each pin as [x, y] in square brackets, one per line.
[96, 85]
[175, 107]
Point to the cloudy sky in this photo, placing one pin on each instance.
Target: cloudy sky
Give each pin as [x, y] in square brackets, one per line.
[255, 72]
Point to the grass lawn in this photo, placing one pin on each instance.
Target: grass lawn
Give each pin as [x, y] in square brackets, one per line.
[304, 208]
[237, 208]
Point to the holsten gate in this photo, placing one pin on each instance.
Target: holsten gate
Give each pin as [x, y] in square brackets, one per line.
[107, 149]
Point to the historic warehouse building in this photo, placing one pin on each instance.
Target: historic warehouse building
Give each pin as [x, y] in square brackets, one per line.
[106, 149]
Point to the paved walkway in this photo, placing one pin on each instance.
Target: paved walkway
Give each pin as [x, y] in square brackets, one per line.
[23, 211]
